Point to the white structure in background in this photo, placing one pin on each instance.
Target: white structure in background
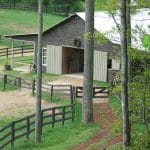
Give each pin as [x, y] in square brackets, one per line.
[105, 24]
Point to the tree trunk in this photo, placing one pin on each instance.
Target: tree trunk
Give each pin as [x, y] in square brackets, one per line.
[39, 76]
[128, 13]
[124, 77]
[87, 107]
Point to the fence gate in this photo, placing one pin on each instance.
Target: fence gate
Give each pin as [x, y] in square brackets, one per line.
[98, 92]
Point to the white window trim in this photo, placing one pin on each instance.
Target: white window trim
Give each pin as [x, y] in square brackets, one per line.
[44, 48]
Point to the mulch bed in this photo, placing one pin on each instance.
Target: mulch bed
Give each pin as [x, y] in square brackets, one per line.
[104, 116]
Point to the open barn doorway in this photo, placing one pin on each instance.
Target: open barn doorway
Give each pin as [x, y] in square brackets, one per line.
[72, 60]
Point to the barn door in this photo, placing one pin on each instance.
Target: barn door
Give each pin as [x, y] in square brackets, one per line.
[100, 66]
[54, 59]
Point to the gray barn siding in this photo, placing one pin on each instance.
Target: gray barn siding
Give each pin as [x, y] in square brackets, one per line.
[54, 59]
[100, 66]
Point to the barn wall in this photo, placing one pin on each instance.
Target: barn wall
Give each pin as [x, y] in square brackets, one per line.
[54, 59]
[100, 66]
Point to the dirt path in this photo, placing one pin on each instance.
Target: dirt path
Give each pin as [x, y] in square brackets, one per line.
[104, 116]
[19, 103]
[68, 80]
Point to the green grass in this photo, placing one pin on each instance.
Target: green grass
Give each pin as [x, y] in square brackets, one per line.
[18, 22]
[101, 83]
[9, 87]
[22, 59]
[56, 99]
[115, 104]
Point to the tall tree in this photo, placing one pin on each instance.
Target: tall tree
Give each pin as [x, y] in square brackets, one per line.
[128, 11]
[87, 107]
[39, 75]
[124, 76]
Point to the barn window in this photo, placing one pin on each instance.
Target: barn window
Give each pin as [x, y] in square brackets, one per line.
[109, 64]
[44, 56]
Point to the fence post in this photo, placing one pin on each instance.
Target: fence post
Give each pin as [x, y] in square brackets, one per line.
[94, 89]
[21, 50]
[5, 81]
[12, 134]
[51, 92]
[71, 95]
[33, 87]
[28, 128]
[19, 83]
[63, 115]
[53, 117]
[73, 111]
[41, 121]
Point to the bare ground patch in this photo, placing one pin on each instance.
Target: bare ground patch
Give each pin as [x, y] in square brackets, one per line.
[19, 103]
[68, 80]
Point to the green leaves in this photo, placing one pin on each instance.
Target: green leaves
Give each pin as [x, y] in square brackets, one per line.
[146, 41]
[98, 37]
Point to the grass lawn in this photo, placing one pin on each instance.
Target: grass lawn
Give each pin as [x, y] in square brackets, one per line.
[18, 21]
[101, 83]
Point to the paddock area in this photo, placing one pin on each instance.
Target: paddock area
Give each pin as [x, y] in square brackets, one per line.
[19, 103]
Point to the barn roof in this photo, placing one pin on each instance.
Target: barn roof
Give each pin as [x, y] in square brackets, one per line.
[105, 24]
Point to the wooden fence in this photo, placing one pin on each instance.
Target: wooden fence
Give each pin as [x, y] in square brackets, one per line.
[63, 90]
[31, 84]
[16, 50]
[98, 92]
[25, 126]
[58, 9]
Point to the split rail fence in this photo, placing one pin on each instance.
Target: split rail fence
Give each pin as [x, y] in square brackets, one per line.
[6, 52]
[64, 90]
[25, 126]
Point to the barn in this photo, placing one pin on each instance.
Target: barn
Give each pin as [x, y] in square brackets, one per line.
[63, 46]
